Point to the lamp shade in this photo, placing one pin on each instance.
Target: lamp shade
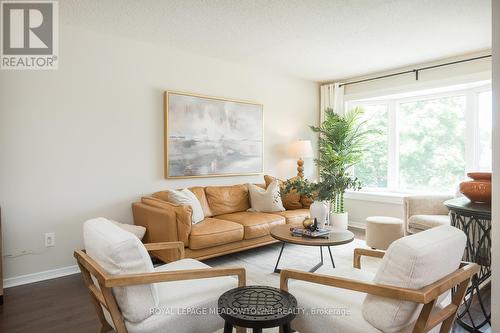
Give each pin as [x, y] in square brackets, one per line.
[301, 149]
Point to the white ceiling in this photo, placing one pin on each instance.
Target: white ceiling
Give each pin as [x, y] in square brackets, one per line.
[312, 39]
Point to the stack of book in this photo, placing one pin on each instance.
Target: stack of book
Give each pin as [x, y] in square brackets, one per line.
[320, 233]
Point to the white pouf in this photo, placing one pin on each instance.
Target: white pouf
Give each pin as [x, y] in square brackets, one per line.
[381, 231]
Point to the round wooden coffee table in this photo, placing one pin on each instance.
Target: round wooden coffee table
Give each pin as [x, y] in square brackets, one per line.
[283, 234]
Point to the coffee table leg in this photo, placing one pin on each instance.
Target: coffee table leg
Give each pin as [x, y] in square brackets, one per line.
[228, 327]
[257, 330]
[286, 328]
[319, 264]
[331, 257]
[276, 269]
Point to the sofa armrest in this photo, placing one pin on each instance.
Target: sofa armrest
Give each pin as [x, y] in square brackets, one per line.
[164, 222]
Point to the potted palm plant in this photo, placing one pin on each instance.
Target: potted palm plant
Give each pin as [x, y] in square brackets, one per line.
[341, 145]
[342, 141]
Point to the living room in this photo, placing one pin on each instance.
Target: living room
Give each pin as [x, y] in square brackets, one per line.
[208, 128]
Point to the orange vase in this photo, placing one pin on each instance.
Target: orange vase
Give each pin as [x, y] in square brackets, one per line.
[479, 188]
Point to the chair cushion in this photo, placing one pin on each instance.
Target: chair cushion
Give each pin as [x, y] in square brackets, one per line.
[255, 224]
[413, 262]
[186, 306]
[294, 217]
[329, 309]
[227, 199]
[120, 252]
[212, 232]
[424, 222]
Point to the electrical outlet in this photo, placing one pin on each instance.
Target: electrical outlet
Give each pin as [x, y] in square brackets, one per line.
[50, 239]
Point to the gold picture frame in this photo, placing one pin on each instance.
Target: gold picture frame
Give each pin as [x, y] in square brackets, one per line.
[189, 154]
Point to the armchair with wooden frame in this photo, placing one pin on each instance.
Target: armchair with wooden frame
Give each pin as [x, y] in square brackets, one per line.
[103, 285]
[421, 309]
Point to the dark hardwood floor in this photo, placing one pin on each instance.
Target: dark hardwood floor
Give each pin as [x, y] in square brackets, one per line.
[59, 305]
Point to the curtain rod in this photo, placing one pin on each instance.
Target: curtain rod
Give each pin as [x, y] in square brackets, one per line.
[416, 70]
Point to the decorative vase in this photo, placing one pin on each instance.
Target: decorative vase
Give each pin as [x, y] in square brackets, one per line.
[339, 221]
[319, 210]
[479, 188]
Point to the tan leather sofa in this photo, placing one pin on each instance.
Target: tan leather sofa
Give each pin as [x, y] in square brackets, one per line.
[228, 226]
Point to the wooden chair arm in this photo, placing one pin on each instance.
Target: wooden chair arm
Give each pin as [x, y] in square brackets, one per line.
[188, 274]
[359, 252]
[350, 284]
[166, 246]
[424, 295]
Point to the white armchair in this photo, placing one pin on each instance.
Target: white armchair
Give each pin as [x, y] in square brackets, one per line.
[409, 292]
[423, 212]
[130, 295]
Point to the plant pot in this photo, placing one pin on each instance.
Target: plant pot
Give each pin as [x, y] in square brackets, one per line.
[479, 188]
[319, 210]
[339, 221]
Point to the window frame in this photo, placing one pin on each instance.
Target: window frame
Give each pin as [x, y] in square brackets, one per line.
[472, 136]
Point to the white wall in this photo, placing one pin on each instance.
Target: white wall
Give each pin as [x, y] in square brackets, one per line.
[495, 251]
[86, 140]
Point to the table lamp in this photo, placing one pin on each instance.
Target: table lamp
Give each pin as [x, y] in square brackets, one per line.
[301, 149]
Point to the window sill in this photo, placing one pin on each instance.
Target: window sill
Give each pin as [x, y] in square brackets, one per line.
[379, 196]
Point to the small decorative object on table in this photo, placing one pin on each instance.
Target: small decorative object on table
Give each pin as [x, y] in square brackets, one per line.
[316, 233]
[257, 307]
[479, 188]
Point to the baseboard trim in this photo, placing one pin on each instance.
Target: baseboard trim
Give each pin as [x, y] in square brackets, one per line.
[357, 225]
[40, 276]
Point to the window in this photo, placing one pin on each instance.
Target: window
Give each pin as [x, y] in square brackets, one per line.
[426, 140]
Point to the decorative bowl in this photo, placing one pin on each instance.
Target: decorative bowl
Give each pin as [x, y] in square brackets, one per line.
[479, 188]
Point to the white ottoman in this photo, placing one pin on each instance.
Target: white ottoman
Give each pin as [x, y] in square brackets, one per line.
[381, 231]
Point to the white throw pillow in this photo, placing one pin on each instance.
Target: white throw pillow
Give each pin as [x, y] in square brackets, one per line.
[186, 197]
[413, 262]
[265, 200]
[137, 230]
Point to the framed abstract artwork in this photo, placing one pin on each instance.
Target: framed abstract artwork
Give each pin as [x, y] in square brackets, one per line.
[209, 136]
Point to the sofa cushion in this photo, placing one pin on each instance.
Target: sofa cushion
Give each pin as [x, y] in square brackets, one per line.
[255, 224]
[424, 222]
[212, 232]
[294, 217]
[120, 252]
[227, 199]
[199, 191]
[413, 262]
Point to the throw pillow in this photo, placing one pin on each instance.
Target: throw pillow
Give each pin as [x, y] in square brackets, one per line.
[137, 230]
[265, 200]
[186, 197]
[291, 200]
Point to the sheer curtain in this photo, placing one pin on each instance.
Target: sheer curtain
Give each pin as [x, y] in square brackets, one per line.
[332, 96]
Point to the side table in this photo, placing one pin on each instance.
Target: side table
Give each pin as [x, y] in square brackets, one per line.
[257, 307]
[475, 221]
